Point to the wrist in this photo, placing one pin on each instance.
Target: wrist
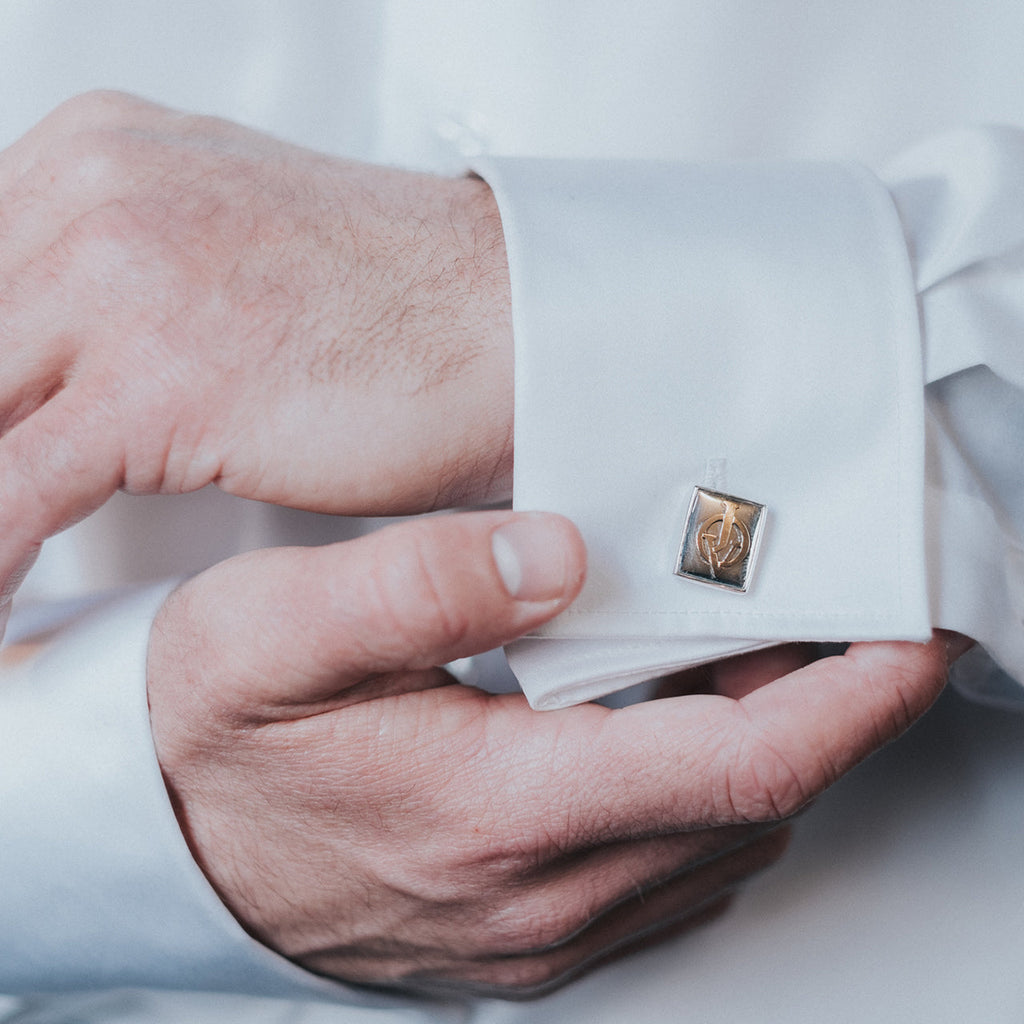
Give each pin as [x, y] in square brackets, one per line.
[426, 309]
[487, 321]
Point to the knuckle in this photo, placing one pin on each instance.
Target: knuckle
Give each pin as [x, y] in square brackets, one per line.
[500, 865]
[917, 683]
[91, 109]
[97, 250]
[524, 979]
[416, 600]
[80, 448]
[517, 919]
[94, 107]
[110, 230]
[89, 151]
[762, 785]
[86, 142]
[532, 930]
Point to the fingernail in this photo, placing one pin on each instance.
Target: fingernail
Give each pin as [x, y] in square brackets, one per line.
[530, 555]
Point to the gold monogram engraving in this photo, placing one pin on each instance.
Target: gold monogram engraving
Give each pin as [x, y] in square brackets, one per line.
[720, 539]
[723, 540]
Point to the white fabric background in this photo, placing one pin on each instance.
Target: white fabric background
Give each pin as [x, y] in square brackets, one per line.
[901, 899]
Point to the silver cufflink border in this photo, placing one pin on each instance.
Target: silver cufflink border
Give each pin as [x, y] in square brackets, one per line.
[721, 540]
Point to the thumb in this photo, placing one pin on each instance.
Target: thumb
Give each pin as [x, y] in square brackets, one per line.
[289, 626]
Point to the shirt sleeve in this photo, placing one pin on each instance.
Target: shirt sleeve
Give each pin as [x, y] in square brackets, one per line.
[764, 331]
[100, 890]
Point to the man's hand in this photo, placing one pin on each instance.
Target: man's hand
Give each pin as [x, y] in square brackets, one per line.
[374, 822]
[185, 301]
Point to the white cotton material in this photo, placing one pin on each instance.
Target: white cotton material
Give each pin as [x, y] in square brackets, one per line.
[100, 888]
[761, 315]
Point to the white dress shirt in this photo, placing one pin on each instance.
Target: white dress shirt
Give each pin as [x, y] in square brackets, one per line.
[819, 304]
[754, 305]
[102, 890]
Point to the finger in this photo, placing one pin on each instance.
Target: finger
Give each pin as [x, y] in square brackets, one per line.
[71, 162]
[98, 107]
[56, 467]
[516, 972]
[699, 679]
[737, 677]
[710, 760]
[686, 900]
[295, 626]
[49, 324]
[568, 895]
[957, 645]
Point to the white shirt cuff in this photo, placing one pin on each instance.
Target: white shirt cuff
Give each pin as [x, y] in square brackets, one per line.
[100, 889]
[757, 321]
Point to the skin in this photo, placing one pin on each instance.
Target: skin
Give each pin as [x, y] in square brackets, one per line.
[187, 302]
[375, 823]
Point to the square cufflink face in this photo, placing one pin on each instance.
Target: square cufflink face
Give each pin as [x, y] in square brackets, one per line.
[720, 540]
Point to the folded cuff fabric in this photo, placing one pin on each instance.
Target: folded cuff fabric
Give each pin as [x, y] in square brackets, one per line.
[101, 891]
[756, 328]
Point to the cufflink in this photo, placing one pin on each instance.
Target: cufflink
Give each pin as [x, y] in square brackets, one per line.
[720, 539]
